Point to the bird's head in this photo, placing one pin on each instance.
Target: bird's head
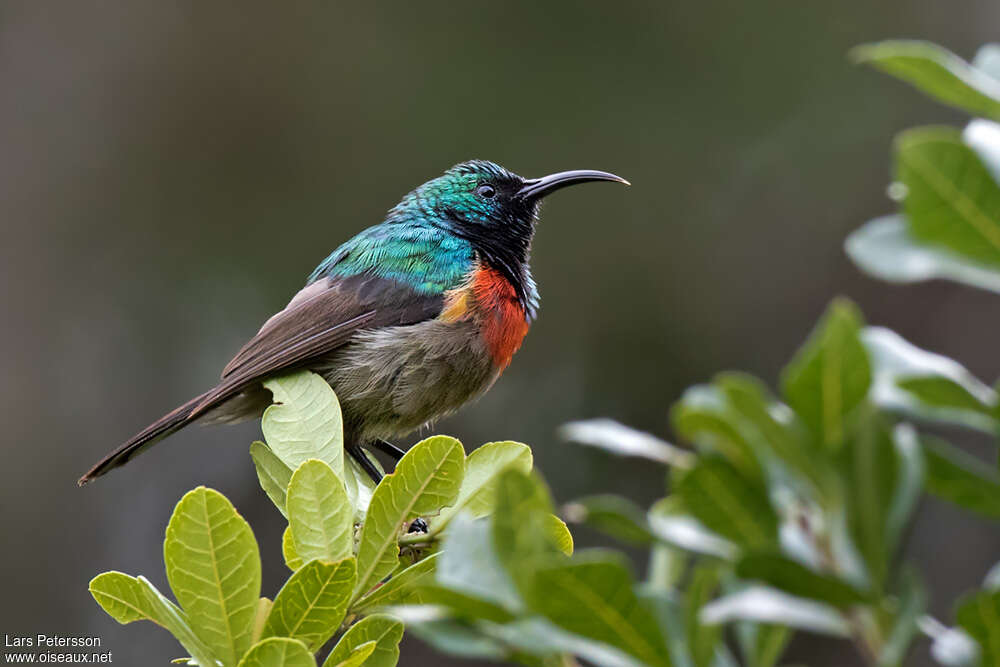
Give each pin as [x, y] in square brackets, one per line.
[495, 209]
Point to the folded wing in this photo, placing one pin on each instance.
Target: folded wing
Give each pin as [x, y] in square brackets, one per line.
[320, 319]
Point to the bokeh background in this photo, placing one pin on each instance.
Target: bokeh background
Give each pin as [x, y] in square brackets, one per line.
[170, 172]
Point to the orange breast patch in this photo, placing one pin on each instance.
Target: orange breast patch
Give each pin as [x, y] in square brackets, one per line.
[490, 299]
[504, 322]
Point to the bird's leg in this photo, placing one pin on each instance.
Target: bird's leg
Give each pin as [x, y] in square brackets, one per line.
[418, 525]
[388, 449]
[359, 455]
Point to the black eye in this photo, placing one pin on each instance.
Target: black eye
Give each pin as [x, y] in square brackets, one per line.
[486, 191]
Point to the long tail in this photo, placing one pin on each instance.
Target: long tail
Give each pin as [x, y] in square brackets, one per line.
[169, 423]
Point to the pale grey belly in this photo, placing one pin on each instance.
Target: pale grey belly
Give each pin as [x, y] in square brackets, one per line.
[391, 381]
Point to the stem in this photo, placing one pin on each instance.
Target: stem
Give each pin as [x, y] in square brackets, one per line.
[867, 637]
[866, 634]
[417, 540]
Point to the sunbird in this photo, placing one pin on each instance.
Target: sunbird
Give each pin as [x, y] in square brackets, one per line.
[407, 321]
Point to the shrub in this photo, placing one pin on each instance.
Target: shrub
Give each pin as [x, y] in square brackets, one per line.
[786, 514]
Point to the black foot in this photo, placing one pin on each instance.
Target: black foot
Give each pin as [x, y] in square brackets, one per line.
[359, 455]
[388, 449]
[418, 526]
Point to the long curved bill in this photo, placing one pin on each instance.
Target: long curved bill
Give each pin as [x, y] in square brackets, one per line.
[536, 188]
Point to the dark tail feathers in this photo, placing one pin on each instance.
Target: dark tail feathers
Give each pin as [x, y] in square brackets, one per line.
[173, 421]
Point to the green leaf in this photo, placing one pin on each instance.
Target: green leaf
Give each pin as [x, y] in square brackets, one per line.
[360, 487]
[960, 478]
[177, 622]
[702, 639]
[305, 421]
[558, 534]
[260, 619]
[403, 588]
[127, 599]
[705, 416]
[911, 605]
[829, 375]
[951, 198]
[469, 564]
[358, 656]
[292, 559]
[983, 136]
[943, 393]
[482, 469]
[987, 60]
[312, 603]
[768, 436]
[666, 567]
[909, 483]
[762, 644]
[521, 525]
[278, 652]
[462, 605]
[616, 438]
[214, 570]
[870, 481]
[121, 596]
[593, 597]
[925, 385]
[539, 637]
[935, 71]
[426, 479]
[952, 646]
[716, 494]
[320, 515]
[382, 629]
[760, 604]
[671, 525]
[530, 641]
[979, 615]
[885, 249]
[796, 579]
[457, 638]
[273, 474]
[613, 515]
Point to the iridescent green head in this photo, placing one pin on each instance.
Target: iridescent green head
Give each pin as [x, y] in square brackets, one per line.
[491, 207]
[471, 194]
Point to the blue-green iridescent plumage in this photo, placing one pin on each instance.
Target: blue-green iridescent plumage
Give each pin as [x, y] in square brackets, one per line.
[423, 256]
[430, 240]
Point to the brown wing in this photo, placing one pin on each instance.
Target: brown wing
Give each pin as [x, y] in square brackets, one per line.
[321, 318]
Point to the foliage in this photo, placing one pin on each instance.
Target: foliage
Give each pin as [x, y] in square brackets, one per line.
[788, 511]
[946, 179]
[792, 514]
[348, 548]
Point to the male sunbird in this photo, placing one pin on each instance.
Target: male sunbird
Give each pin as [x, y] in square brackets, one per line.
[407, 321]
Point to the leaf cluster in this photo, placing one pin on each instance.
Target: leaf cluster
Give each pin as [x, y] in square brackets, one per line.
[791, 514]
[347, 544]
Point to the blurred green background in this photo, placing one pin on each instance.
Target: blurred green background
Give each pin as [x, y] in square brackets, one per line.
[171, 172]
